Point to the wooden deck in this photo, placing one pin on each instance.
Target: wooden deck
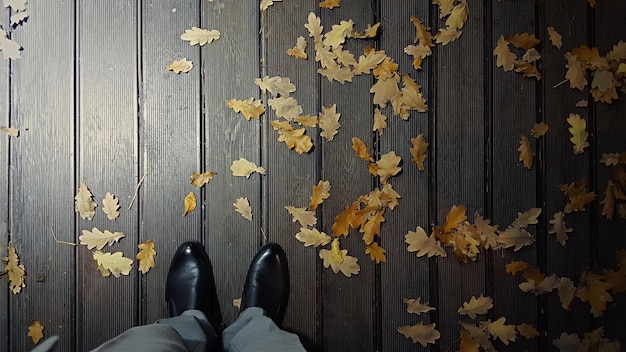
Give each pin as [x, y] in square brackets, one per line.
[94, 104]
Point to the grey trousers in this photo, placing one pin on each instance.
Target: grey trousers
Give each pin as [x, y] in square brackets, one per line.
[191, 331]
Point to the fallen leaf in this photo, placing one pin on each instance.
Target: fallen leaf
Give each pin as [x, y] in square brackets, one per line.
[424, 334]
[376, 252]
[458, 16]
[294, 138]
[369, 61]
[515, 237]
[242, 206]
[582, 103]
[603, 80]
[504, 57]
[302, 215]
[421, 243]
[340, 74]
[414, 306]
[369, 32]
[528, 331]
[418, 151]
[178, 66]
[467, 343]
[35, 331]
[201, 179]
[526, 152]
[329, 4]
[312, 237]
[559, 228]
[419, 53]
[329, 121]
[339, 260]
[16, 5]
[307, 121]
[568, 343]
[10, 49]
[387, 68]
[337, 35]
[447, 35]
[566, 292]
[276, 85]
[200, 36]
[548, 284]
[113, 263]
[480, 305]
[314, 26]
[286, 107]
[388, 166]
[555, 38]
[84, 204]
[98, 239]
[190, 203]
[361, 150]
[267, 3]
[523, 41]
[250, 108]
[595, 291]
[320, 193]
[299, 51]
[539, 129]
[345, 220]
[506, 333]
[146, 256]
[15, 271]
[380, 122]
[575, 72]
[111, 206]
[455, 216]
[243, 167]
[11, 131]
[422, 32]
[529, 217]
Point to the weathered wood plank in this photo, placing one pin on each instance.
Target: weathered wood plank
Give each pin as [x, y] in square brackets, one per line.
[291, 177]
[5, 142]
[42, 174]
[459, 158]
[514, 111]
[229, 67]
[169, 141]
[563, 167]
[108, 160]
[610, 28]
[404, 275]
[348, 303]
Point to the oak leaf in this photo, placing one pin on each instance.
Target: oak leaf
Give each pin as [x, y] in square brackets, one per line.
[528, 331]
[419, 53]
[312, 237]
[35, 331]
[410, 98]
[10, 49]
[371, 227]
[418, 151]
[11, 131]
[594, 290]
[531, 55]
[201, 179]
[250, 108]
[113, 263]
[286, 107]
[84, 204]
[344, 57]
[504, 57]
[376, 252]
[339, 260]
[529, 217]
[298, 51]
[479, 334]
[369, 32]
[98, 239]
[385, 69]
[527, 69]
[458, 16]
[380, 122]
[314, 26]
[480, 305]
[523, 41]
[15, 271]
[388, 166]
[575, 72]
[178, 66]
[111, 206]
[243, 167]
[200, 36]
[555, 38]
[467, 343]
[539, 129]
[265, 4]
[505, 333]
[516, 266]
[422, 33]
[488, 235]
[455, 216]
[424, 334]
[337, 35]
[329, 4]
[369, 61]
[294, 138]
[526, 152]
[361, 150]
[329, 121]
[583, 103]
[568, 343]
[302, 215]
[275, 85]
[559, 228]
[566, 291]
[447, 35]
[548, 284]
[16, 5]
[515, 237]
[307, 121]
[423, 244]
[242, 206]
[385, 90]
[190, 203]
[146, 256]
[414, 305]
[326, 56]
[320, 193]
[340, 74]
[345, 220]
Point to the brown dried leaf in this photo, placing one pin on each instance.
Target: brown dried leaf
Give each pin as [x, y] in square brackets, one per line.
[15, 270]
[146, 256]
[555, 38]
[190, 203]
[201, 179]
[526, 152]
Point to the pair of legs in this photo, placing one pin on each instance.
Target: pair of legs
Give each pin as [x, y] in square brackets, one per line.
[195, 322]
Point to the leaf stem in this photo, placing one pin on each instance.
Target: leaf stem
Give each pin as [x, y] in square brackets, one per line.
[560, 83]
[137, 190]
[62, 242]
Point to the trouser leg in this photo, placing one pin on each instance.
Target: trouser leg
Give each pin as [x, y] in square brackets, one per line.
[253, 331]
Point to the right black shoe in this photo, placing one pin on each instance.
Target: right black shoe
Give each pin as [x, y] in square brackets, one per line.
[191, 285]
[267, 283]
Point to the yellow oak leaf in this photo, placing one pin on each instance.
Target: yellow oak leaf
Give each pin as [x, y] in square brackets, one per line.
[294, 138]
[298, 51]
[380, 121]
[376, 252]
[523, 41]
[506, 333]
[559, 229]
[15, 270]
[344, 57]
[583, 103]
[302, 215]
[424, 334]
[200, 36]
[445, 7]
[326, 56]
[250, 108]
[385, 69]
[528, 331]
[504, 57]
[314, 26]
[16, 5]
[480, 305]
[458, 16]
[11, 131]
[602, 80]
[275, 85]
[616, 278]
[320, 193]
[361, 150]
[243, 167]
[531, 56]
[479, 334]
[611, 159]
[242, 206]
[488, 235]
[467, 343]
[515, 237]
[419, 53]
[575, 72]
[35, 331]
[329, 121]
[578, 196]
[307, 121]
[414, 306]
[547, 284]
[526, 152]
[455, 216]
[286, 107]
[113, 263]
[447, 35]
[516, 266]
[337, 35]
[345, 220]
[566, 343]
[555, 38]
[201, 179]
[618, 53]
[371, 227]
[539, 129]
[423, 244]
[388, 166]
[190, 203]
[312, 237]
[410, 98]
[369, 61]
[339, 260]
[527, 69]
[529, 217]
[146, 256]
[98, 239]
[566, 291]
[594, 290]
[111, 206]
[369, 32]
[267, 3]
[608, 202]
[422, 33]
[329, 4]
[178, 66]
[340, 74]
[84, 204]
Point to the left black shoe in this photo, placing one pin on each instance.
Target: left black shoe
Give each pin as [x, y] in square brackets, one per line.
[191, 285]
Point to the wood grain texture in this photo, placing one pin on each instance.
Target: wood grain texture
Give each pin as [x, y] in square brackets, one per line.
[5, 142]
[169, 139]
[42, 174]
[108, 160]
[563, 167]
[514, 111]
[290, 176]
[459, 158]
[404, 275]
[229, 67]
[348, 303]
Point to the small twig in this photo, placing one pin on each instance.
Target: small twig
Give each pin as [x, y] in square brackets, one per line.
[264, 236]
[62, 242]
[560, 83]
[137, 190]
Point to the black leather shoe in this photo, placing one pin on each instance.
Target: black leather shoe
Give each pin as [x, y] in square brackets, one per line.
[191, 285]
[267, 283]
